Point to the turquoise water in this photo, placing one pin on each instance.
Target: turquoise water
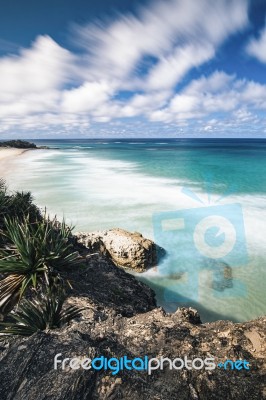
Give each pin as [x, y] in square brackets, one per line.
[100, 184]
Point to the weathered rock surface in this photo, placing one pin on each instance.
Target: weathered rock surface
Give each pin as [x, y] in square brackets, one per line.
[27, 370]
[120, 318]
[104, 286]
[126, 249]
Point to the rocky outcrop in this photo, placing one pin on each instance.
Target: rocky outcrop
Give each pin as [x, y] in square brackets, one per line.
[18, 144]
[21, 144]
[126, 249]
[120, 318]
[104, 329]
[102, 285]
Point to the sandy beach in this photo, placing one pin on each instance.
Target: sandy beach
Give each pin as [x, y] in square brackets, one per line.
[8, 153]
[7, 157]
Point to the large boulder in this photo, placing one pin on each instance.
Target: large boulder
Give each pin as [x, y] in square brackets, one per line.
[126, 249]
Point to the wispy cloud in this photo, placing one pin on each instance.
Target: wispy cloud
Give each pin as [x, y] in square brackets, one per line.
[257, 46]
[178, 35]
[131, 67]
[207, 96]
[7, 46]
[31, 81]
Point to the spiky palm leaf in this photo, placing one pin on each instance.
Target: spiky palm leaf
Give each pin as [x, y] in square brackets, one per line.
[42, 313]
[21, 204]
[4, 202]
[39, 251]
[17, 204]
[9, 292]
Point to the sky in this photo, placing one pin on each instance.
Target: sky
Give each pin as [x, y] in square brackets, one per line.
[126, 68]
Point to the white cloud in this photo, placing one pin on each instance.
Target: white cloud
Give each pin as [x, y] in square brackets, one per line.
[254, 93]
[43, 67]
[31, 81]
[86, 97]
[179, 34]
[257, 47]
[45, 122]
[218, 93]
[202, 97]
[214, 83]
[169, 70]
[146, 54]
[243, 115]
[184, 103]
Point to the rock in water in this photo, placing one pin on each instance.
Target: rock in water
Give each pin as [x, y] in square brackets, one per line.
[126, 249]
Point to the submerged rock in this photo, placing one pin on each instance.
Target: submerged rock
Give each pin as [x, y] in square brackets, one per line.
[126, 249]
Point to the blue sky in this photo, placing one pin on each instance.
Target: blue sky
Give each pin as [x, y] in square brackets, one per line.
[119, 68]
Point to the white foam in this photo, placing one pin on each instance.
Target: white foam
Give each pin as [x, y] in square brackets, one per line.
[118, 186]
[98, 193]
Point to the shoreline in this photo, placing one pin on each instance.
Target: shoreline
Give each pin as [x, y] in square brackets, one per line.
[7, 153]
[8, 157]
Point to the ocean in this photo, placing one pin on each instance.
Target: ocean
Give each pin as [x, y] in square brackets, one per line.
[203, 200]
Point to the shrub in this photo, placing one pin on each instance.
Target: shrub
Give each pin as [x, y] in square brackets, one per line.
[17, 204]
[43, 312]
[36, 255]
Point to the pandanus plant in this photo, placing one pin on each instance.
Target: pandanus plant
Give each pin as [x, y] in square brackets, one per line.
[17, 205]
[43, 312]
[36, 254]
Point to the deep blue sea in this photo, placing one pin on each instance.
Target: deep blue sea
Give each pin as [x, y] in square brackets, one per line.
[203, 200]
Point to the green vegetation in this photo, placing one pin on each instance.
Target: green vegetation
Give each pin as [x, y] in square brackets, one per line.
[35, 252]
[43, 312]
[16, 205]
[18, 144]
[38, 252]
